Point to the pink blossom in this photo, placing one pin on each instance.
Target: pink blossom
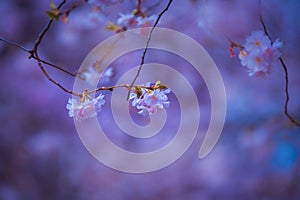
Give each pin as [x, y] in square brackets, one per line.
[257, 42]
[86, 109]
[133, 21]
[150, 101]
[128, 20]
[92, 75]
[146, 21]
[259, 54]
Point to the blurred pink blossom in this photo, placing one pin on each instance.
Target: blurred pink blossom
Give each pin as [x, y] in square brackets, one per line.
[86, 109]
[259, 54]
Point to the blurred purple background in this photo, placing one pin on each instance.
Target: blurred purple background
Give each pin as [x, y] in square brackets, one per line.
[41, 156]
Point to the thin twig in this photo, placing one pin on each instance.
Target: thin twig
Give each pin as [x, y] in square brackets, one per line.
[138, 7]
[138, 10]
[127, 86]
[146, 47]
[235, 44]
[43, 61]
[14, 44]
[50, 79]
[110, 88]
[262, 22]
[59, 68]
[34, 54]
[73, 7]
[287, 97]
[264, 27]
[45, 30]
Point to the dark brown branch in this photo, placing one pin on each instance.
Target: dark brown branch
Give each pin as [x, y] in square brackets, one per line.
[264, 27]
[40, 37]
[50, 79]
[262, 21]
[44, 31]
[139, 5]
[287, 97]
[110, 88]
[235, 44]
[146, 47]
[56, 67]
[138, 10]
[73, 7]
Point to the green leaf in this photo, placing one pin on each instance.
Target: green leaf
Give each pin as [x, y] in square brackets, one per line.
[54, 12]
[138, 92]
[157, 83]
[52, 15]
[53, 6]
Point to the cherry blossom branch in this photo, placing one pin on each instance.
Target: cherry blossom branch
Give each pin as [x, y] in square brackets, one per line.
[54, 14]
[243, 53]
[42, 34]
[147, 44]
[34, 51]
[127, 86]
[36, 45]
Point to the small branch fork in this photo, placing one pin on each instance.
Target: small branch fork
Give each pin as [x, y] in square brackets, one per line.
[34, 54]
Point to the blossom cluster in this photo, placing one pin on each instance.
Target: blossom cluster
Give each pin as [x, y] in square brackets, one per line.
[150, 98]
[131, 21]
[259, 53]
[147, 98]
[87, 107]
[92, 74]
